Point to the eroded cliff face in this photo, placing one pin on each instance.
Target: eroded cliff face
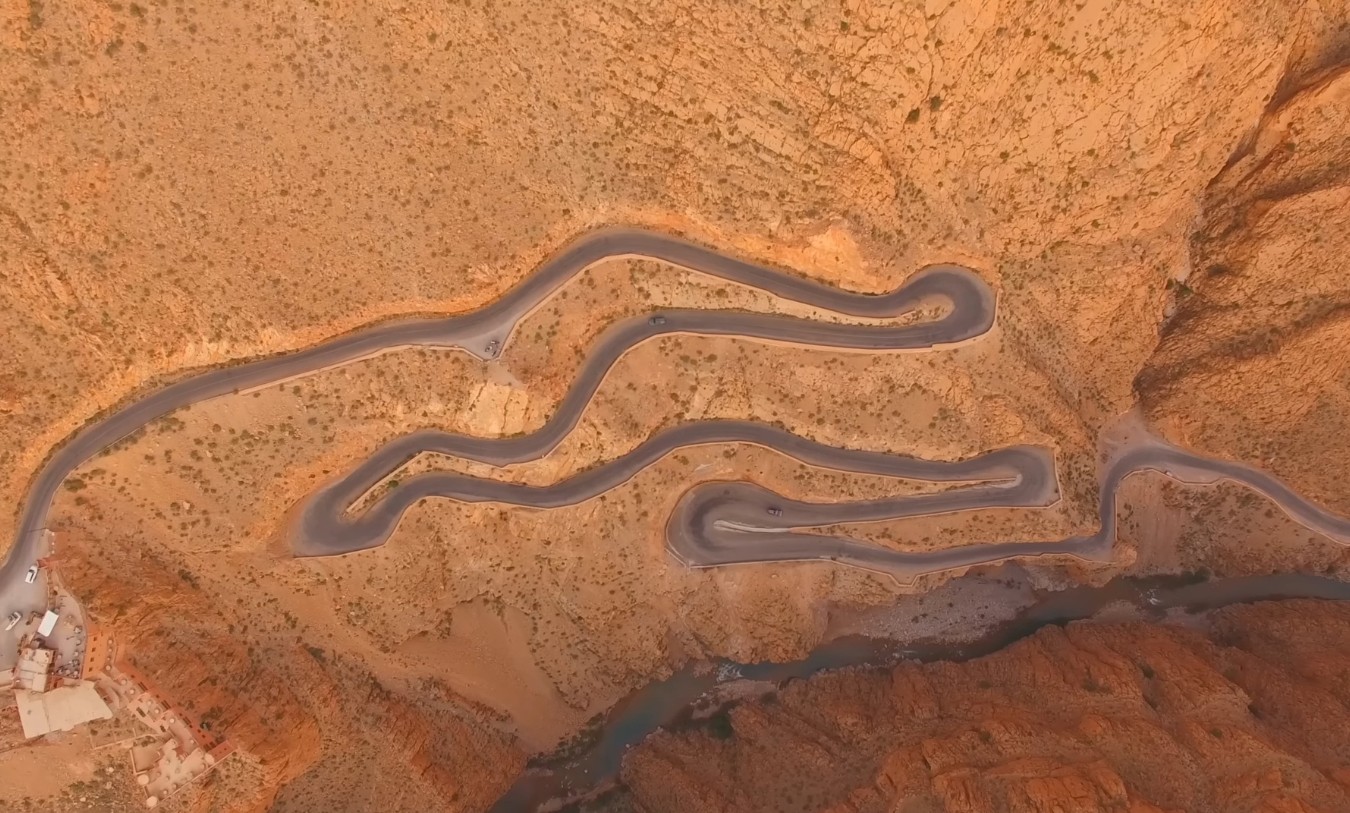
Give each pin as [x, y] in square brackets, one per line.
[1268, 300]
[326, 733]
[1245, 712]
[170, 632]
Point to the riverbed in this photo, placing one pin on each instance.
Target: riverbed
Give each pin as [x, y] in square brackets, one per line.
[701, 689]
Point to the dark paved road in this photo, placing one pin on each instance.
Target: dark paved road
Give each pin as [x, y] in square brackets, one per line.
[492, 325]
[715, 524]
[970, 309]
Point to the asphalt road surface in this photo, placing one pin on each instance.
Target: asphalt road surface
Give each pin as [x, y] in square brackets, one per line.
[716, 524]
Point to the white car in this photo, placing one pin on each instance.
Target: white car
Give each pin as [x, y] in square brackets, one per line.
[31, 575]
[14, 619]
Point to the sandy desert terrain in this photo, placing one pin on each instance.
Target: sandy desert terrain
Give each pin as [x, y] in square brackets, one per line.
[1155, 191]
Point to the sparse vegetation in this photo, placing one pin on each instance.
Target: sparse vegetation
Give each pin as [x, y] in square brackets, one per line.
[409, 163]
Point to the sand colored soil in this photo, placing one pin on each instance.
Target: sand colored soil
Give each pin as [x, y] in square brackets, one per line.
[192, 185]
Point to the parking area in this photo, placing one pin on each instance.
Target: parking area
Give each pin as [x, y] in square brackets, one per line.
[28, 599]
[69, 637]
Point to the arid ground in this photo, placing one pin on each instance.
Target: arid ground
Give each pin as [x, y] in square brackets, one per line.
[1157, 192]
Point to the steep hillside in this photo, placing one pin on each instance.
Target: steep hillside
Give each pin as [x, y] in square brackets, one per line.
[324, 730]
[1156, 191]
[1254, 365]
[193, 184]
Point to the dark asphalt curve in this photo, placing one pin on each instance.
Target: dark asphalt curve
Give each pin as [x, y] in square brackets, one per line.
[1028, 475]
[718, 524]
[715, 523]
[971, 314]
[1022, 475]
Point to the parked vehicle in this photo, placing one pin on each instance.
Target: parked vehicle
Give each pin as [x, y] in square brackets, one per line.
[31, 575]
[492, 348]
[14, 619]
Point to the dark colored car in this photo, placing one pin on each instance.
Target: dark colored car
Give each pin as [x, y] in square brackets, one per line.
[775, 511]
[657, 320]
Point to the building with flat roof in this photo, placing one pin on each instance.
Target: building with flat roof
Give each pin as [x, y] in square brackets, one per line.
[34, 670]
[59, 709]
[99, 645]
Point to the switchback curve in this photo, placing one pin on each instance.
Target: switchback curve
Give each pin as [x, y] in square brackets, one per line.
[715, 523]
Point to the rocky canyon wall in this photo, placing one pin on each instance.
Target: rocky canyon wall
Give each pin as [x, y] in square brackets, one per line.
[1244, 712]
[1267, 302]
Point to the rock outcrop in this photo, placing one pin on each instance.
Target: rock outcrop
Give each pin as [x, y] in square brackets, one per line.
[172, 635]
[1267, 301]
[1246, 714]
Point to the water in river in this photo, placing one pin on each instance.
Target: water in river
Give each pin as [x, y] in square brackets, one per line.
[553, 782]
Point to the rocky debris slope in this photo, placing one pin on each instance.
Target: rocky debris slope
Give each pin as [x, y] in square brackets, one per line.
[1246, 712]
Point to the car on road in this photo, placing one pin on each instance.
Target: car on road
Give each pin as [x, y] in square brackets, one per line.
[31, 575]
[657, 320]
[14, 619]
[775, 511]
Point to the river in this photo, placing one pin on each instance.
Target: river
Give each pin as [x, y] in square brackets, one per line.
[593, 764]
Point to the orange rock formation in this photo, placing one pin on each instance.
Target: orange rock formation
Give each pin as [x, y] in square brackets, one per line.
[286, 707]
[1268, 300]
[1246, 714]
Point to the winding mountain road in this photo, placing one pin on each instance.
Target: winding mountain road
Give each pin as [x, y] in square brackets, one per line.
[715, 523]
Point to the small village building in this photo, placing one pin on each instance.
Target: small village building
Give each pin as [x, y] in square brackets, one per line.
[34, 670]
[59, 709]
